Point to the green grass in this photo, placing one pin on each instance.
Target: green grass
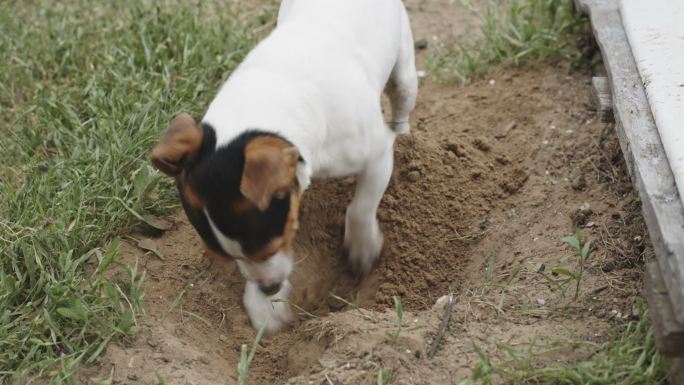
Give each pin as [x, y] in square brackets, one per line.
[512, 32]
[247, 357]
[628, 358]
[85, 90]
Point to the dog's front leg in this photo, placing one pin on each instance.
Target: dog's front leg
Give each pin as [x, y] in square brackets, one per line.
[362, 236]
[270, 312]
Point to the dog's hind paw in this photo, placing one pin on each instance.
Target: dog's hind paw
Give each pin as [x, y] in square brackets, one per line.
[270, 312]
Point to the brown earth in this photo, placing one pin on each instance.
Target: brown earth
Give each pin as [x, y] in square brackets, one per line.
[493, 175]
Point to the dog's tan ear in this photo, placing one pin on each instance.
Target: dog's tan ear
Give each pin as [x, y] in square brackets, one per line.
[270, 169]
[179, 145]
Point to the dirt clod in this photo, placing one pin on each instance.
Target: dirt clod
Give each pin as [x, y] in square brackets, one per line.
[481, 144]
[413, 176]
[421, 44]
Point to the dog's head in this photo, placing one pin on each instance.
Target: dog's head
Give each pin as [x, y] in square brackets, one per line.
[242, 198]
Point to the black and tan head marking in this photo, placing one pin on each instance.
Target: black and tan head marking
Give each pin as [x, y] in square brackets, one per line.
[246, 189]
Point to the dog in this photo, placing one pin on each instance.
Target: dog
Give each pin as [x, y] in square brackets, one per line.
[305, 103]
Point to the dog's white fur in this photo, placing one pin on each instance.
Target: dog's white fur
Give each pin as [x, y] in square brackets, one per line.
[316, 80]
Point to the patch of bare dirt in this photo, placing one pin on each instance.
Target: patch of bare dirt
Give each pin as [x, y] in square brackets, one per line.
[493, 175]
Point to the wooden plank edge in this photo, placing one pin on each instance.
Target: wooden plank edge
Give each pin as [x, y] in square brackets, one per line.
[602, 98]
[668, 331]
[662, 206]
[677, 371]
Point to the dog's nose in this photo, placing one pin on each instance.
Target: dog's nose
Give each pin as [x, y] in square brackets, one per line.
[270, 289]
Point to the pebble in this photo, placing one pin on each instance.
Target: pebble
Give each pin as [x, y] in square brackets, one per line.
[413, 176]
[541, 302]
[152, 342]
[161, 357]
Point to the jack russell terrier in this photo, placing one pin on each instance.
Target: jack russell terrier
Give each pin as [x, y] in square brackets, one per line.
[304, 103]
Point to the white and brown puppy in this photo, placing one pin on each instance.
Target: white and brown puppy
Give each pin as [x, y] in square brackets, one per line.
[305, 103]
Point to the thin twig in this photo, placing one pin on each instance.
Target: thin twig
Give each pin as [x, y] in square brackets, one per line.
[443, 325]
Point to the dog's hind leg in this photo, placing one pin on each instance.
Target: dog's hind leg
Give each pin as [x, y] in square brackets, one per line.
[362, 236]
[402, 86]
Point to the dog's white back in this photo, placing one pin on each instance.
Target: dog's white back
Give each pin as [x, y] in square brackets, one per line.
[317, 80]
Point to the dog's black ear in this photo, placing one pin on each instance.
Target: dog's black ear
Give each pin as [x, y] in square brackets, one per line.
[178, 146]
[270, 169]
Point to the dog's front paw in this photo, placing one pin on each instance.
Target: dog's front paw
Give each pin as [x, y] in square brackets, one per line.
[400, 127]
[271, 312]
[362, 245]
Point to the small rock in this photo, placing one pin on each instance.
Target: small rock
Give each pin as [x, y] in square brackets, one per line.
[421, 74]
[481, 145]
[440, 303]
[456, 149]
[152, 342]
[161, 357]
[579, 183]
[502, 160]
[580, 217]
[541, 302]
[509, 127]
[132, 377]
[539, 267]
[413, 176]
[223, 338]
[421, 44]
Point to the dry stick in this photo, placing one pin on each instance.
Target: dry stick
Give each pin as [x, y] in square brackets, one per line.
[443, 325]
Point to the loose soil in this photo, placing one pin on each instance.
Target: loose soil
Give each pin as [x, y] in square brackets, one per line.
[493, 175]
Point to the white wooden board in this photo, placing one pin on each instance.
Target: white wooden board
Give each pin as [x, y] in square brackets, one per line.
[655, 31]
[643, 149]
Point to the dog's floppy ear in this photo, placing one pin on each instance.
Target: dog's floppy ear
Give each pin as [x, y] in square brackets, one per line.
[270, 168]
[179, 145]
